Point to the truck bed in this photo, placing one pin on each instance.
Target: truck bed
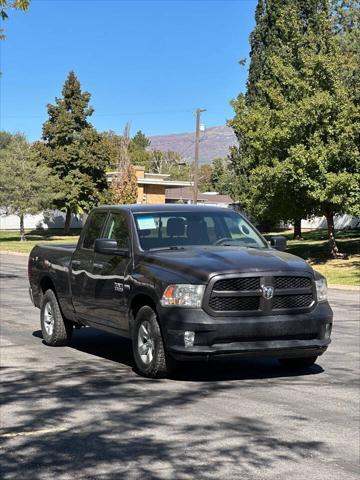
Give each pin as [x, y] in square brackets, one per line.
[53, 262]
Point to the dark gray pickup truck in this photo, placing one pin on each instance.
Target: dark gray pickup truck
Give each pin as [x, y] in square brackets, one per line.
[183, 282]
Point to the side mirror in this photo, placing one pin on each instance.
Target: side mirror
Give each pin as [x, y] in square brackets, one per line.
[278, 242]
[109, 247]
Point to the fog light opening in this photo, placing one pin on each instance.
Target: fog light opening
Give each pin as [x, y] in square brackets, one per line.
[328, 328]
[189, 338]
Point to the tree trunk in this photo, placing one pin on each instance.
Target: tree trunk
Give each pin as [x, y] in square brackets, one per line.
[22, 229]
[331, 235]
[297, 229]
[67, 221]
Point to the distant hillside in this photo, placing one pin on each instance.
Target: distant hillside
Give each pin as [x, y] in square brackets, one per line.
[215, 142]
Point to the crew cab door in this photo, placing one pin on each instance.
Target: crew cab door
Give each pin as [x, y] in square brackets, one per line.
[110, 276]
[82, 265]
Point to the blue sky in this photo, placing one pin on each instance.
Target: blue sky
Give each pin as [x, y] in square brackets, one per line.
[148, 62]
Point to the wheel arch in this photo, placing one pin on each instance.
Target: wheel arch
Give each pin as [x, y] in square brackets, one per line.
[46, 283]
[138, 301]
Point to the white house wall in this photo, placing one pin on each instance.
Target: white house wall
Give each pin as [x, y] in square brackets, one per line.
[341, 222]
[45, 220]
[56, 219]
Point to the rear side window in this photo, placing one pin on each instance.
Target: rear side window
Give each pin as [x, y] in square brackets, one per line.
[94, 229]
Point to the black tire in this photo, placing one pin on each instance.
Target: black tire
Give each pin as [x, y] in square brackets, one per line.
[56, 330]
[302, 362]
[160, 364]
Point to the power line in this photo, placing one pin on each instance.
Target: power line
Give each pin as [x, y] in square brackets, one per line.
[157, 112]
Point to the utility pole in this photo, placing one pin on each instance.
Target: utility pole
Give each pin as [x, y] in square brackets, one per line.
[197, 142]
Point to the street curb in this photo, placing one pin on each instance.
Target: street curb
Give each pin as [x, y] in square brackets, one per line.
[352, 288]
[17, 254]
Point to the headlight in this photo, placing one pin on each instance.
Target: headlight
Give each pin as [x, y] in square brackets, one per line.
[183, 296]
[321, 289]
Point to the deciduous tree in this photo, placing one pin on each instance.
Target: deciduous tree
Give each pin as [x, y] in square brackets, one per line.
[124, 184]
[6, 5]
[27, 187]
[297, 125]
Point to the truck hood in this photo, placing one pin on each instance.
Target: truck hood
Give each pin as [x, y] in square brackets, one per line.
[200, 263]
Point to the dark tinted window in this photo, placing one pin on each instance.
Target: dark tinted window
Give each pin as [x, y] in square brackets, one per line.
[117, 229]
[94, 229]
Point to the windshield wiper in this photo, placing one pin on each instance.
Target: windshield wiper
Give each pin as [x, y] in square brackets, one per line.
[241, 246]
[174, 247]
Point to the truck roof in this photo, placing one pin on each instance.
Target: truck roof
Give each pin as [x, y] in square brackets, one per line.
[166, 207]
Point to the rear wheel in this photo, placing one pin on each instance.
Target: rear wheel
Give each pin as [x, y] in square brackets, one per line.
[56, 330]
[302, 362]
[148, 346]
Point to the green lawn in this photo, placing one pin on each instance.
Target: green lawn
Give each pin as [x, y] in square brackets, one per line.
[314, 248]
[10, 239]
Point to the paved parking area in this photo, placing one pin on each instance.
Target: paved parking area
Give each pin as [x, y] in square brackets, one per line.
[82, 413]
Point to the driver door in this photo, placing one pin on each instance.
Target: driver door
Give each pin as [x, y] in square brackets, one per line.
[109, 276]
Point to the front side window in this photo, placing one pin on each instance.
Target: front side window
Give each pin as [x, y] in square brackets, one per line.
[117, 229]
[196, 228]
[94, 229]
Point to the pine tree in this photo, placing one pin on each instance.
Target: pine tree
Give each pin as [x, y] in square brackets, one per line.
[140, 140]
[297, 126]
[75, 152]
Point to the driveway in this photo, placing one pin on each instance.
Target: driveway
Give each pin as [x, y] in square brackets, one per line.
[81, 412]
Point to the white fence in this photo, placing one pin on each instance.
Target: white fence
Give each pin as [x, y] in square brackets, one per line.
[56, 219]
[45, 220]
[341, 222]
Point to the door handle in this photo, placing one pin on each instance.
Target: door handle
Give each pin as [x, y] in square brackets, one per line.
[75, 263]
[99, 266]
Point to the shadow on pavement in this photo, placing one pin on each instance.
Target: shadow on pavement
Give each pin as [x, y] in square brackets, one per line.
[118, 349]
[119, 425]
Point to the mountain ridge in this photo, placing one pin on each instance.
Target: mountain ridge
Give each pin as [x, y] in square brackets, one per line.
[214, 143]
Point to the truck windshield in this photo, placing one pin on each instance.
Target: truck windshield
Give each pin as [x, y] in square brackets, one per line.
[195, 228]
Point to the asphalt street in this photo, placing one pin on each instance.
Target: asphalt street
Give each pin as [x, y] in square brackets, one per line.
[81, 412]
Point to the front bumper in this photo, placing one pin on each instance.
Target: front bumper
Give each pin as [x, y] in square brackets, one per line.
[297, 335]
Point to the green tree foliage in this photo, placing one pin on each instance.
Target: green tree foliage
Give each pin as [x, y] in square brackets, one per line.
[74, 151]
[222, 179]
[140, 140]
[27, 187]
[297, 125]
[347, 28]
[220, 176]
[5, 139]
[205, 178]
[6, 5]
[170, 163]
[138, 151]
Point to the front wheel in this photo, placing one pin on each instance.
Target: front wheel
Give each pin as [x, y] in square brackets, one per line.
[56, 330]
[149, 352]
[302, 362]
